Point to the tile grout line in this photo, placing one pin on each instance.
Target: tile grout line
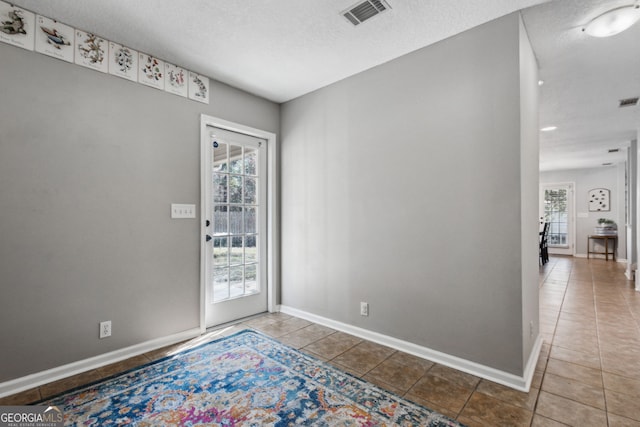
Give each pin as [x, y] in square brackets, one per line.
[416, 382]
[544, 372]
[381, 362]
[535, 405]
[595, 308]
[340, 354]
[475, 389]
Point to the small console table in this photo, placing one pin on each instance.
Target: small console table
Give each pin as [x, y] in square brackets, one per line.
[606, 253]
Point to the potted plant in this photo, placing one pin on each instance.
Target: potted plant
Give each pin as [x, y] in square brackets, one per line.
[606, 227]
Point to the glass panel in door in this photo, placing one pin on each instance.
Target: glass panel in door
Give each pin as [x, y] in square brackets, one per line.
[557, 209]
[235, 203]
[235, 249]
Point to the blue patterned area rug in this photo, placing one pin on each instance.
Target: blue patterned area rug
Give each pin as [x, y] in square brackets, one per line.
[246, 379]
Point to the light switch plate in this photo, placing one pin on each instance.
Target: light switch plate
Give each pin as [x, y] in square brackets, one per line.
[180, 211]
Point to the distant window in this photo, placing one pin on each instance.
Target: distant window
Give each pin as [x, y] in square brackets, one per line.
[555, 212]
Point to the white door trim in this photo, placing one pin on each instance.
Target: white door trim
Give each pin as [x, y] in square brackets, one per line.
[273, 244]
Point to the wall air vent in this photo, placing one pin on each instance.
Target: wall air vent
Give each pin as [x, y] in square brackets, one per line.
[629, 102]
[360, 12]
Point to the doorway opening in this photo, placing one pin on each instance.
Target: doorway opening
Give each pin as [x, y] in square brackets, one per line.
[238, 222]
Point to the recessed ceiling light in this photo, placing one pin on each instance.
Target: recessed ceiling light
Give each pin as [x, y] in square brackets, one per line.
[613, 22]
[540, 82]
[549, 128]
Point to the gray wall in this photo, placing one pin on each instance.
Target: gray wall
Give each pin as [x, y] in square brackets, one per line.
[585, 180]
[89, 165]
[529, 176]
[632, 219]
[401, 187]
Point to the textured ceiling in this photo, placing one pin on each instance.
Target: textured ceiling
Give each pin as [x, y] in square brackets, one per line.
[282, 49]
[278, 49]
[584, 79]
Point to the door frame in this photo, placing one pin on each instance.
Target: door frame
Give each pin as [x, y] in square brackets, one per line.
[571, 250]
[273, 244]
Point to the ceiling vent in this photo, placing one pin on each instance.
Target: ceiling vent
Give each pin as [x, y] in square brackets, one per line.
[613, 150]
[629, 102]
[360, 12]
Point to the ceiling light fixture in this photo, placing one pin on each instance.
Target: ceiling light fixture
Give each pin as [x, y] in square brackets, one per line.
[613, 22]
[540, 82]
[549, 128]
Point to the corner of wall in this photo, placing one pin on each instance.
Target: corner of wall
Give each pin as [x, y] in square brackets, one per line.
[529, 181]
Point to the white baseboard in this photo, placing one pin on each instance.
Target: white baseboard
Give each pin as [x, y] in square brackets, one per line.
[595, 256]
[530, 368]
[522, 383]
[39, 378]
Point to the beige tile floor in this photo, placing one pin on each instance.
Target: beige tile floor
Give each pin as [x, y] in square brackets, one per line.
[588, 373]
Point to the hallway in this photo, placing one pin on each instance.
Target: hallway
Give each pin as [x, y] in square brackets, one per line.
[589, 319]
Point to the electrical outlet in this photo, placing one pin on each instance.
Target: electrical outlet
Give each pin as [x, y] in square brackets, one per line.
[364, 309]
[105, 329]
[531, 329]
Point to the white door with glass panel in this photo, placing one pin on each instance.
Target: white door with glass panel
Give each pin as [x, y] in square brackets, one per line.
[556, 208]
[235, 249]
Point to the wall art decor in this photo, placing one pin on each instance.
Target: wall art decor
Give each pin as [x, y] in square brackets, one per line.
[175, 80]
[54, 38]
[17, 26]
[198, 88]
[25, 29]
[150, 71]
[92, 51]
[123, 62]
[599, 200]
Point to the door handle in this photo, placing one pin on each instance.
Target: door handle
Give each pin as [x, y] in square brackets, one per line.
[208, 237]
